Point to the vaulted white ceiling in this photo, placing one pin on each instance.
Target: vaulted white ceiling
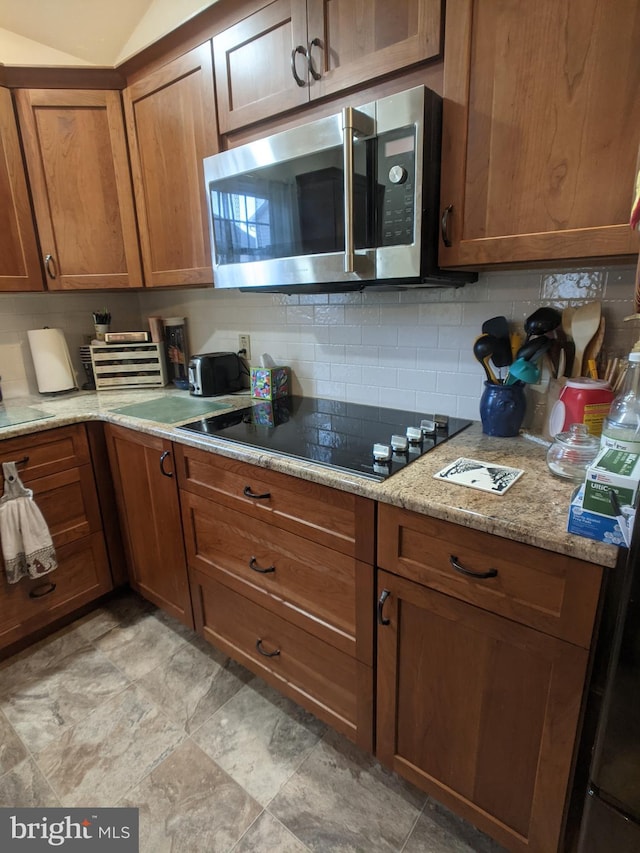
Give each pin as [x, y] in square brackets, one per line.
[86, 32]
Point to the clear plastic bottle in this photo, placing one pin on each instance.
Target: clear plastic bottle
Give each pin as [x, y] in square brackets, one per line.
[621, 428]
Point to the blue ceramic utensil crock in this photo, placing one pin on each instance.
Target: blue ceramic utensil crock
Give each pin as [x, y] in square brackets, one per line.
[502, 409]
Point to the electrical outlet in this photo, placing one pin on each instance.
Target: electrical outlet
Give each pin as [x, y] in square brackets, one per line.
[244, 343]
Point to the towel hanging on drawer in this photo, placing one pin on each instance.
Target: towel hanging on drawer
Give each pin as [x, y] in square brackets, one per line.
[27, 548]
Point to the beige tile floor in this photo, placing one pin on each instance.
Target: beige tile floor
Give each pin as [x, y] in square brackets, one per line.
[126, 707]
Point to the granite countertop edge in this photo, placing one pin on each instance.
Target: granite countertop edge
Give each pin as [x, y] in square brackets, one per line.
[533, 511]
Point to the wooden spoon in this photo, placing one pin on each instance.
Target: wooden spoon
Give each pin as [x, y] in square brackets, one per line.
[592, 350]
[584, 325]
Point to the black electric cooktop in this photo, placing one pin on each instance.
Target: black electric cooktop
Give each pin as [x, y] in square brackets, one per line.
[372, 441]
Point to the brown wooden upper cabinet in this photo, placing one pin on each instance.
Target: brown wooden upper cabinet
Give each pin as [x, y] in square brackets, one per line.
[541, 128]
[78, 167]
[19, 257]
[171, 122]
[293, 51]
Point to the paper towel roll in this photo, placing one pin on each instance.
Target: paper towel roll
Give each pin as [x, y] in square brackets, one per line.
[51, 359]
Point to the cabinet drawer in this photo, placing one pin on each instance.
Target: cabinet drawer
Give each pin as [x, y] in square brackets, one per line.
[82, 575]
[331, 684]
[68, 503]
[307, 583]
[339, 520]
[47, 452]
[551, 592]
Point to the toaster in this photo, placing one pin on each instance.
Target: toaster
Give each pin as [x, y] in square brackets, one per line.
[215, 373]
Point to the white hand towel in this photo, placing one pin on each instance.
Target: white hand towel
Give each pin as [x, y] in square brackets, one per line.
[27, 547]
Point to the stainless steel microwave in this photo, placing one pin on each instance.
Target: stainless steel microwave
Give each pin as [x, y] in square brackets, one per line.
[340, 203]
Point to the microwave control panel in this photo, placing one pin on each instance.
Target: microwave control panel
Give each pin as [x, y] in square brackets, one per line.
[396, 186]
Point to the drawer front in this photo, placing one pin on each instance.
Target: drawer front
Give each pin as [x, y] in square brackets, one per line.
[82, 575]
[339, 520]
[310, 671]
[46, 452]
[551, 592]
[304, 582]
[69, 504]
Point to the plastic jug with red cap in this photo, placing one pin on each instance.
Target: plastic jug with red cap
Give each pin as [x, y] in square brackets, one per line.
[581, 401]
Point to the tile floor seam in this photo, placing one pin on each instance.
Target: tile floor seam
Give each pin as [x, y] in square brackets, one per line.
[306, 757]
[121, 795]
[415, 823]
[286, 828]
[47, 781]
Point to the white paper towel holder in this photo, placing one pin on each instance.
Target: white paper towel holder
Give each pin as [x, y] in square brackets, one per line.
[54, 371]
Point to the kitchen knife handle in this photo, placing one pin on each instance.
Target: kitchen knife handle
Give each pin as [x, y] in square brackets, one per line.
[383, 597]
[297, 49]
[163, 456]
[42, 590]
[266, 654]
[490, 573]
[253, 564]
[249, 494]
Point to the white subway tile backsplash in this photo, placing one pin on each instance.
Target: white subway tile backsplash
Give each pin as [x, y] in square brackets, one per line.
[411, 348]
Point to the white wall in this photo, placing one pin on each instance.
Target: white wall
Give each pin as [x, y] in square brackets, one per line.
[411, 349]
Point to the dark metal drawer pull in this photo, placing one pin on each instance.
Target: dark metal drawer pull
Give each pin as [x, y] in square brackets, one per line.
[253, 564]
[383, 597]
[50, 266]
[162, 458]
[42, 590]
[491, 573]
[313, 43]
[249, 494]
[266, 654]
[444, 226]
[298, 49]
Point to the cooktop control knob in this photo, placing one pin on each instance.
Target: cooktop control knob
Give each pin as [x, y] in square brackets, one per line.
[399, 443]
[414, 435]
[428, 427]
[442, 421]
[398, 174]
[381, 452]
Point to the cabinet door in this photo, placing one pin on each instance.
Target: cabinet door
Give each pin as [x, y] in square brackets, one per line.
[171, 122]
[353, 43]
[255, 62]
[19, 258]
[541, 124]
[78, 167]
[149, 509]
[479, 711]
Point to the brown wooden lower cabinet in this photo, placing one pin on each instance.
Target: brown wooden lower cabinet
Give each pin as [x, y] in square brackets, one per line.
[149, 511]
[333, 685]
[56, 465]
[479, 711]
[82, 576]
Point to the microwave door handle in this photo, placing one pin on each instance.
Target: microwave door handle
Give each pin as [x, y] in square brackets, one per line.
[353, 123]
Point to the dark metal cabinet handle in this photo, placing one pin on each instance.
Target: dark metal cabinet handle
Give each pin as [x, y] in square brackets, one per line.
[444, 225]
[50, 266]
[42, 590]
[491, 573]
[298, 49]
[249, 494]
[163, 456]
[266, 654]
[314, 43]
[253, 564]
[383, 597]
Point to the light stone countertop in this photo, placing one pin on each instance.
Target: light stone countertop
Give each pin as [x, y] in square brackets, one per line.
[534, 510]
